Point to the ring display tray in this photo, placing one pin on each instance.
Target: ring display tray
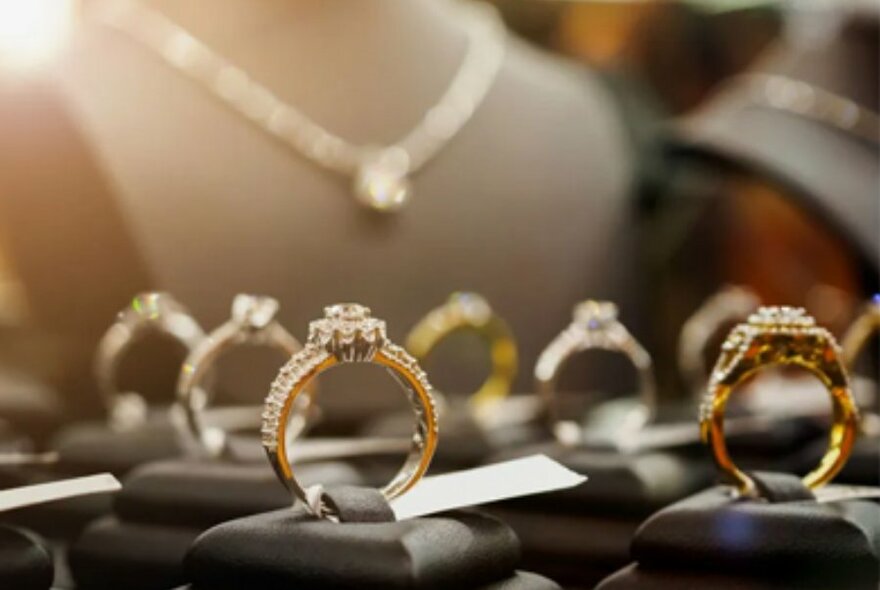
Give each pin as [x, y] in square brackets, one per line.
[788, 540]
[596, 521]
[25, 560]
[165, 505]
[290, 548]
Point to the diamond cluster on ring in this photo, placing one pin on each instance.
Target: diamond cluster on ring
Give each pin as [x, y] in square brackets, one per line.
[349, 332]
[808, 340]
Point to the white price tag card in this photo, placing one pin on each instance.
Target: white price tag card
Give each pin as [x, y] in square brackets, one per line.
[839, 493]
[520, 477]
[57, 490]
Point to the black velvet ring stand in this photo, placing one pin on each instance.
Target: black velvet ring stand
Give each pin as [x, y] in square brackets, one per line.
[786, 540]
[25, 561]
[86, 449]
[366, 550]
[580, 535]
[165, 505]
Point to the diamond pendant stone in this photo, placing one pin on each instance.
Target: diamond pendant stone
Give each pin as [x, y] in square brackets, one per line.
[382, 183]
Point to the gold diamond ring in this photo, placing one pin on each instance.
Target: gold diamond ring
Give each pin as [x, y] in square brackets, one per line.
[148, 313]
[348, 334]
[470, 311]
[780, 336]
[594, 325]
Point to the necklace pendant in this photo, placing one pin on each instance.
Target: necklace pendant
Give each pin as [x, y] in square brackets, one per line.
[382, 187]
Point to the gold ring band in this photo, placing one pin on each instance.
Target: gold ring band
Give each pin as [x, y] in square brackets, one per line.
[470, 311]
[780, 336]
[348, 334]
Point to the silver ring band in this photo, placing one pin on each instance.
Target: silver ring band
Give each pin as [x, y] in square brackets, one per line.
[731, 304]
[252, 322]
[150, 312]
[594, 326]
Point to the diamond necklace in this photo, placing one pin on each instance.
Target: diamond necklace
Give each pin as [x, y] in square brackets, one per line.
[810, 102]
[380, 174]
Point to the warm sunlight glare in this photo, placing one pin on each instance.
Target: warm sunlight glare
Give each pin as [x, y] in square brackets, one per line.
[32, 31]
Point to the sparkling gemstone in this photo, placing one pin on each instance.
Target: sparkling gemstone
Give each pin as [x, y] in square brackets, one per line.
[473, 307]
[381, 189]
[347, 311]
[254, 311]
[595, 314]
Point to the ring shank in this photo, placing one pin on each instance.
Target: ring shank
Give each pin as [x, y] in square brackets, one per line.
[841, 438]
[169, 318]
[425, 337]
[575, 340]
[203, 357]
[424, 438]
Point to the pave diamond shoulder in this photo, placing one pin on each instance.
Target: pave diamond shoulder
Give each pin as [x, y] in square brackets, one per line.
[294, 371]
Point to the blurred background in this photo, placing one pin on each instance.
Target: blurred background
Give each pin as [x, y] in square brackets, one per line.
[622, 153]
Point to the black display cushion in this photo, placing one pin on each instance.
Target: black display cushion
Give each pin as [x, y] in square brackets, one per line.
[25, 561]
[62, 520]
[291, 549]
[192, 493]
[32, 407]
[801, 542]
[95, 447]
[573, 549]
[634, 577]
[518, 581]
[113, 554]
[619, 485]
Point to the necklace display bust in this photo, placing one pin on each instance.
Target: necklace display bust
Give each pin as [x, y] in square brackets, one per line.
[532, 191]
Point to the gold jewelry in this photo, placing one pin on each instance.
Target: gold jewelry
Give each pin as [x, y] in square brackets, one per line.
[348, 334]
[470, 311]
[863, 327]
[595, 325]
[731, 303]
[780, 336]
[380, 173]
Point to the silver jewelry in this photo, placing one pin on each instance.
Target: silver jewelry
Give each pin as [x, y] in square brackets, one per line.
[348, 334]
[811, 102]
[595, 325]
[153, 312]
[252, 322]
[381, 174]
[730, 304]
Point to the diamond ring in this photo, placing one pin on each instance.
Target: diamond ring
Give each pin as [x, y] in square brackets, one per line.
[780, 336]
[349, 334]
[729, 305]
[252, 322]
[151, 312]
[594, 326]
[470, 311]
